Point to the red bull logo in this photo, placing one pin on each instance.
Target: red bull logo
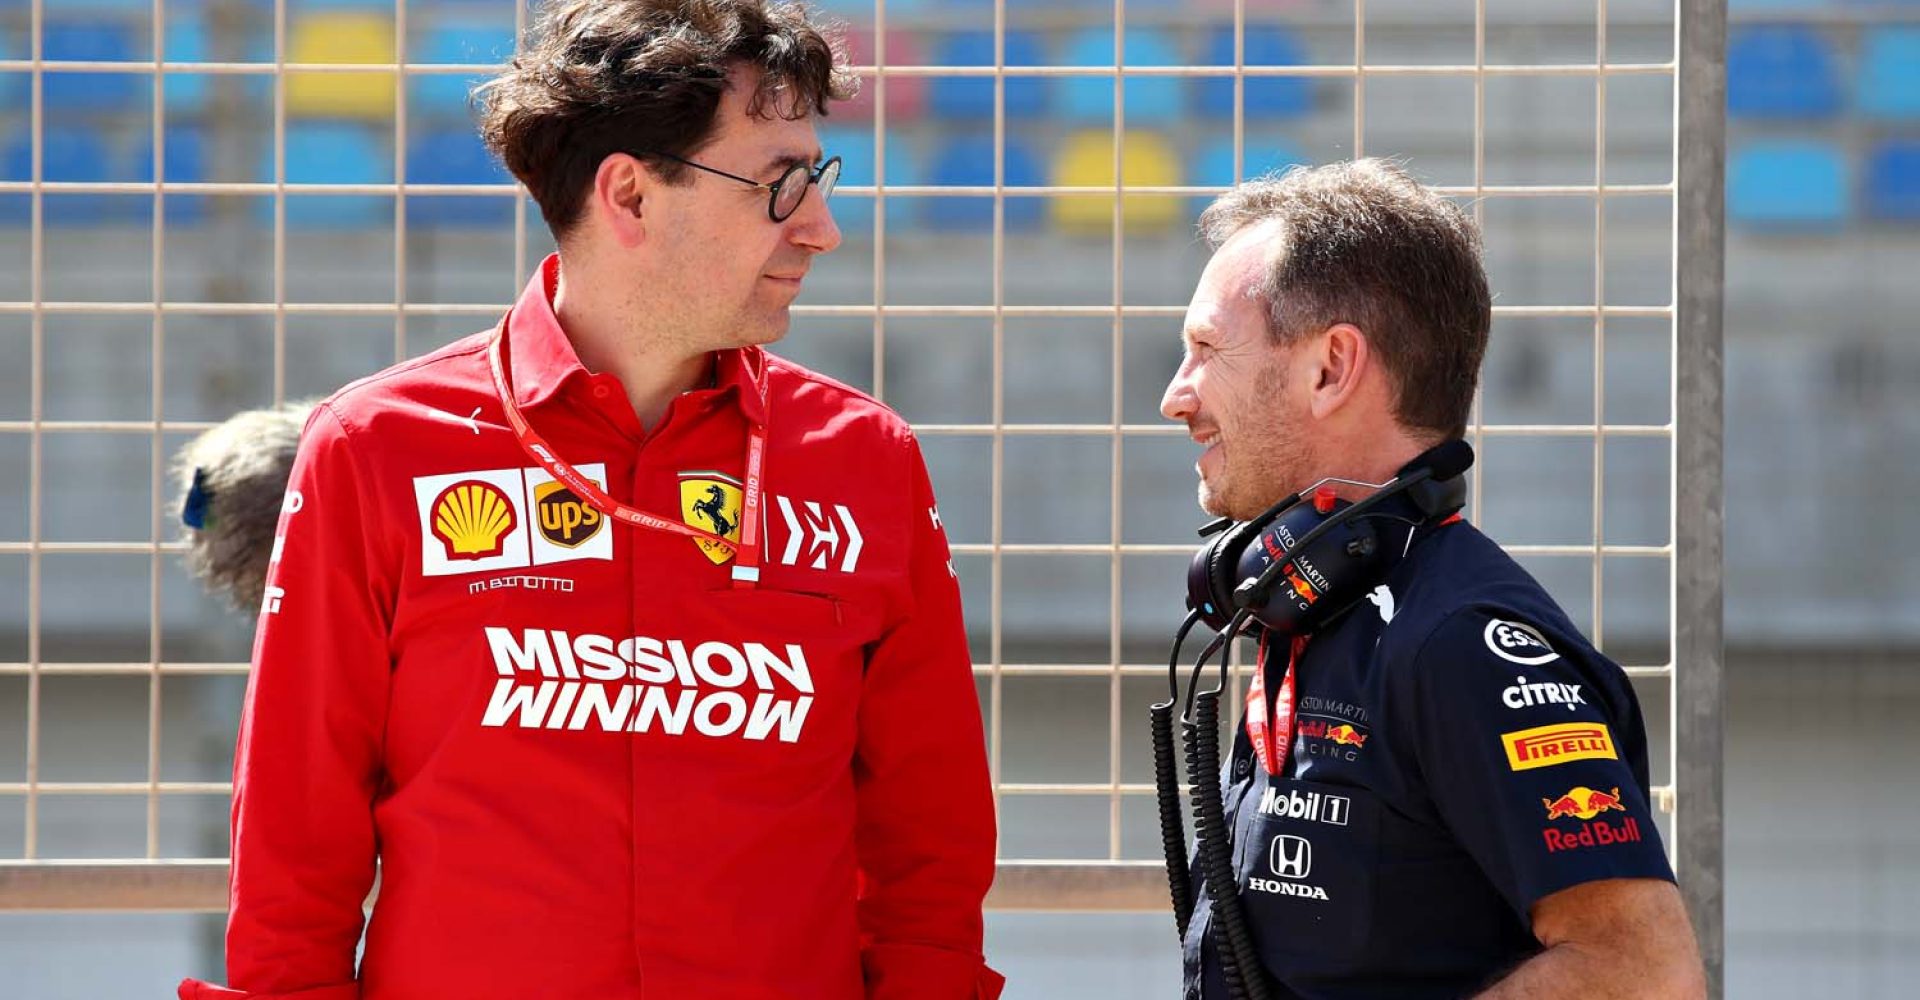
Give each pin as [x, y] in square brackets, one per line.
[1346, 735]
[1300, 587]
[1598, 833]
[1583, 803]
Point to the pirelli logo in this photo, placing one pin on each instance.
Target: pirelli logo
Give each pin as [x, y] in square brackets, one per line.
[1545, 746]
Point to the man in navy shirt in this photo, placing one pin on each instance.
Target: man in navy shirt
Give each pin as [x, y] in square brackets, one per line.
[1460, 807]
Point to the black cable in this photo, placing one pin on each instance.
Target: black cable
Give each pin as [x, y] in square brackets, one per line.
[1166, 788]
[1239, 962]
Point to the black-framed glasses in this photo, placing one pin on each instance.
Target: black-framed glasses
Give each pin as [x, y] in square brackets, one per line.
[784, 195]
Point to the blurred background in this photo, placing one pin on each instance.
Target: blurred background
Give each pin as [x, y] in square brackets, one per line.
[1028, 336]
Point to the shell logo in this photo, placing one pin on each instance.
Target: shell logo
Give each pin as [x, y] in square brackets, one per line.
[472, 519]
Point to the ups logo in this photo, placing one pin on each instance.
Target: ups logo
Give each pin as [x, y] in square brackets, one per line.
[564, 518]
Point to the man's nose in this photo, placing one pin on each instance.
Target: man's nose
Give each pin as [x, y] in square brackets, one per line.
[1180, 402]
[812, 227]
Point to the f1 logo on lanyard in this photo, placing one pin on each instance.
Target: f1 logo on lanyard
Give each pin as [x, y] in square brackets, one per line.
[746, 551]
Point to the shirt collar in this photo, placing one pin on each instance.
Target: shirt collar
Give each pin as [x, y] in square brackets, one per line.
[543, 359]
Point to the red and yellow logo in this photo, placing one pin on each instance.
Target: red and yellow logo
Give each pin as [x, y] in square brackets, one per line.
[1583, 803]
[472, 519]
[1346, 735]
[710, 501]
[1545, 746]
[565, 519]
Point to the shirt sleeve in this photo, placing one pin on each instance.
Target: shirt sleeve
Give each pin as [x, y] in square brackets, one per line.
[926, 826]
[308, 762]
[1534, 752]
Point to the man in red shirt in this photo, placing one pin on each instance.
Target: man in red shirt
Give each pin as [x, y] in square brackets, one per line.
[633, 654]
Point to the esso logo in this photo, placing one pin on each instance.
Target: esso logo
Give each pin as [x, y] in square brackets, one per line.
[1517, 643]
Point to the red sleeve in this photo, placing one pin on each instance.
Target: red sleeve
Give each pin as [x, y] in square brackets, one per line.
[308, 762]
[926, 826]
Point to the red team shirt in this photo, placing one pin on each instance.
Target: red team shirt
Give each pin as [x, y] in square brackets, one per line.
[589, 765]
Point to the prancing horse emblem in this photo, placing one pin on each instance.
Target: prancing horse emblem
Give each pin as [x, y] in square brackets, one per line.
[710, 501]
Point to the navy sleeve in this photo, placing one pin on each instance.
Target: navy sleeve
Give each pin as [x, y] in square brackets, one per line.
[1533, 748]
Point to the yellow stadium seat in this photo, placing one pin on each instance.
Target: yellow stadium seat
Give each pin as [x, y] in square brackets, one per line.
[1086, 160]
[341, 38]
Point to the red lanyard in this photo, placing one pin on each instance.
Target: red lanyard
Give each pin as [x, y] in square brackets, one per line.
[746, 551]
[1273, 756]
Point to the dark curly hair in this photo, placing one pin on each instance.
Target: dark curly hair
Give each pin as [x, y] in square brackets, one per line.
[1364, 243]
[596, 77]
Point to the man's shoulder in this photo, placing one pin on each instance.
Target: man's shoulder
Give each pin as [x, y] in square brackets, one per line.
[417, 388]
[1460, 580]
[821, 400]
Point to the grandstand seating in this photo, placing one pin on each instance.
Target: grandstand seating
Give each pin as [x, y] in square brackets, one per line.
[454, 156]
[968, 161]
[1787, 183]
[88, 41]
[1266, 97]
[1148, 98]
[1782, 71]
[1086, 159]
[456, 41]
[186, 41]
[855, 147]
[333, 153]
[972, 97]
[906, 95]
[1888, 84]
[344, 37]
[1892, 181]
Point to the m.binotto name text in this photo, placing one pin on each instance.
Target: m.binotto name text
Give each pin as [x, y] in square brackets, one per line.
[551, 679]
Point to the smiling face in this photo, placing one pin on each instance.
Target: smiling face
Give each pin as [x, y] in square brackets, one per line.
[1232, 389]
[724, 270]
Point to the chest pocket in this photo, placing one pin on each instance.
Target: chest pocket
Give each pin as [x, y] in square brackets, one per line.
[805, 650]
[1306, 853]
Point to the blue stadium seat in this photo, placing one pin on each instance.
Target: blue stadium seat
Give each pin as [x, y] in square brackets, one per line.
[186, 41]
[1215, 166]
[73, 154]
[854, 146]
[92, 42]
[333, 153]
[1782, 71]
[1266, 96]
[443, 95]
[1893, 181]
[1787, 183]
[188, 158]
[455, 156]
[967, 161]
[1149, 99]
[1889, 82]
[972, 96]
[101, 6]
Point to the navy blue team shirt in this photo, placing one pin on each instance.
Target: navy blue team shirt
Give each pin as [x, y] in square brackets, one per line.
[1459, 752]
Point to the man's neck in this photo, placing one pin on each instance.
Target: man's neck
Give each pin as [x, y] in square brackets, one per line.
[1374, 460]
[653, 365]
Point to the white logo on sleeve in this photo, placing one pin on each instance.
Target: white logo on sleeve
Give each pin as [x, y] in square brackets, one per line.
[1524, 695]
[1517, 643]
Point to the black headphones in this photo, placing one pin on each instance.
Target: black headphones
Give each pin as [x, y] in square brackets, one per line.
[1312, 555]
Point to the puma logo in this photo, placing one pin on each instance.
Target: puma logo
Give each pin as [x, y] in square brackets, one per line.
[1382, 598]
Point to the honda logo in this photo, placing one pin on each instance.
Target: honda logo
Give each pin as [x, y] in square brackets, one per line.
[1292, 857]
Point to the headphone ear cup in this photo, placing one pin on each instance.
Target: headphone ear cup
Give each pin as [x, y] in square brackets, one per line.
[1223, 564]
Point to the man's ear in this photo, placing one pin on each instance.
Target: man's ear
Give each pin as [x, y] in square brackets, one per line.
[619, 198]
[1339, 362]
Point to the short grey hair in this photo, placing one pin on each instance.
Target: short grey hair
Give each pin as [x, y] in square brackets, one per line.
[1364, 243]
